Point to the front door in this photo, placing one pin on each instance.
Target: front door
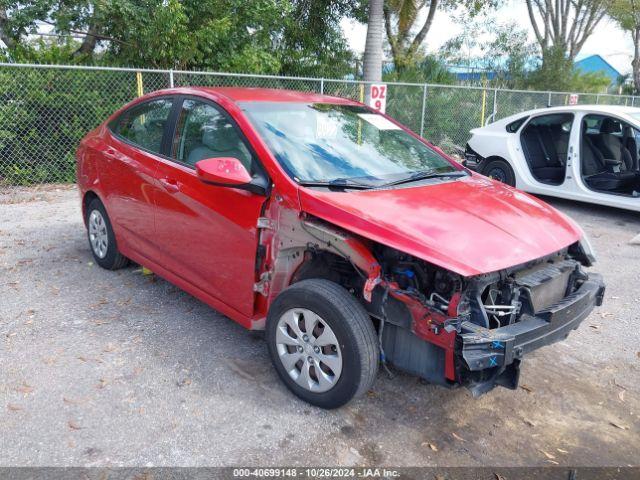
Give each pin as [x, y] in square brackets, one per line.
[209, 233]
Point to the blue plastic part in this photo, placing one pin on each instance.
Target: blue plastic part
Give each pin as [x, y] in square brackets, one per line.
[406, 272]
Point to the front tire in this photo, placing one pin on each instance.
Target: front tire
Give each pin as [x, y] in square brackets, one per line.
[102, 240]
[500, 170]
[322, 343]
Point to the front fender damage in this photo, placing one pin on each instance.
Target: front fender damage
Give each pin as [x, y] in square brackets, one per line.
[288, 239]
[447, 329]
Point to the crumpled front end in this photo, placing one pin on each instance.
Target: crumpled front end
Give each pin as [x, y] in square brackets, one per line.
[475, 331]
[546, 304]
[447, 328]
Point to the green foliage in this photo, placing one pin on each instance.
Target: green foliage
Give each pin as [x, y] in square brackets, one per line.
[505, 50]
[298, 37]
[430, 69]
[43, 50]
[230, 35]
[592, 82]
[487, 45]
[312, 42]
[43, 115]
[408, 22]
[556, 72]
[627, 14]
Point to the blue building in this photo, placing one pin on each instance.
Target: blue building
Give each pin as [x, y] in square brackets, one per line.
[597, 64]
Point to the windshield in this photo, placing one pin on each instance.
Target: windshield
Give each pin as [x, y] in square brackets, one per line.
[328, 142]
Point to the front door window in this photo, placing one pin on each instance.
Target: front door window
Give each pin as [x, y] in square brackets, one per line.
[204, 132]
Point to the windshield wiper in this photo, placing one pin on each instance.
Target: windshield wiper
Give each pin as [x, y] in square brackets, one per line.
[424, 175]
[336, 183]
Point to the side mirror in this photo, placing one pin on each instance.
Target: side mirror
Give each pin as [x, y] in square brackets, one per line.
[224, 171]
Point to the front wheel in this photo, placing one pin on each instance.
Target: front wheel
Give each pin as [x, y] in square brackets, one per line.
[500, 170]
[322, 343]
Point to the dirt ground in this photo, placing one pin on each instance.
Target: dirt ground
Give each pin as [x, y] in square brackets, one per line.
[103, 368]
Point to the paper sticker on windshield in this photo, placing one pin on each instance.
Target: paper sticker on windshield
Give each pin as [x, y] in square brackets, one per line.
[378, 121]
[326, 127]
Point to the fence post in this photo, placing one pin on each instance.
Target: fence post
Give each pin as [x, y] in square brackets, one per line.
[549, 100]
[424, 104]
[495, 105]
[597, 98]
[484, 106]
[322, 86]
[139, 85]
[171, 78]
[633, 100]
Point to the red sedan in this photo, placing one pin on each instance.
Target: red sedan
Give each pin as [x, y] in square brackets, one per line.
[350, 239]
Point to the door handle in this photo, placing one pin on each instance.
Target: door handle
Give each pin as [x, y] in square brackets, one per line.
[170, 184]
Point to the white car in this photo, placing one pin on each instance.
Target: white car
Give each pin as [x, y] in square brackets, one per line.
[580, 152]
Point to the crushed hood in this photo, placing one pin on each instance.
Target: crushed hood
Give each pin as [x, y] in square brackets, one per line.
[472, 225]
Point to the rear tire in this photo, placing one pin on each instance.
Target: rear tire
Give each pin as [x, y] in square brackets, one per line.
[102, 240]
[320, 316]
[501, 171]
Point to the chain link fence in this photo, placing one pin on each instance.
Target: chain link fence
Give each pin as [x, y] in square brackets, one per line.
[46, 109]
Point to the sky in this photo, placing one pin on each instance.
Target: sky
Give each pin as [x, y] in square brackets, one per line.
[607, 40]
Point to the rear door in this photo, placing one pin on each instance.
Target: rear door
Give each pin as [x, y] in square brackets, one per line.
[208, 233]
[128, 177]
[545, 141]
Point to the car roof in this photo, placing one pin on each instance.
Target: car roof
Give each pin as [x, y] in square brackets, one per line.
[614, 109]
[250, 94]
[619, 110]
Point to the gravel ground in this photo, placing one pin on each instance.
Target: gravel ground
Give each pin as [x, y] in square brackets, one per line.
[103, 368]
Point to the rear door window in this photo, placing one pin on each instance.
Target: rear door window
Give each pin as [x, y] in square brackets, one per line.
[144, 125]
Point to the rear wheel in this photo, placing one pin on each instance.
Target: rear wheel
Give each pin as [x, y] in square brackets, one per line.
[322, 343]
[500, 170]
[102, 239]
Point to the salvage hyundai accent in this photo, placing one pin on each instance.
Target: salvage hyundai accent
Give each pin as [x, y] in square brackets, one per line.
[348, 238]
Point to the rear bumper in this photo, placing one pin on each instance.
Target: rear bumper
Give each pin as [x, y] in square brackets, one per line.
[500, 350]
[472, 160]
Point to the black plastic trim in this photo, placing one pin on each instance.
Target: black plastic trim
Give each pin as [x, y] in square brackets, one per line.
[484, 348]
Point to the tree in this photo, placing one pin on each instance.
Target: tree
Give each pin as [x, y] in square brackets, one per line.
[312, 41]
[300, 37]
[4, 29]
[17, 19]
[406, 33]
[627, 14]
[561, 28]
[486, 45]
[372, 61]
[230, 35]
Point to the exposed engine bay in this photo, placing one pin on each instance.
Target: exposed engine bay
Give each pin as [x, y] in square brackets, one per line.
[485, 306]
[448, 329]
[492, 300]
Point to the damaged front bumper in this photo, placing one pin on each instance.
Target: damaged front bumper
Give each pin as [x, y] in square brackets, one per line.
[492, 356]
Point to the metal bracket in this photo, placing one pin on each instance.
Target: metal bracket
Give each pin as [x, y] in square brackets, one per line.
[264, 222]
[262, 286]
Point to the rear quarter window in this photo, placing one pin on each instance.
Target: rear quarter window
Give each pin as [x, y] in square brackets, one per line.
[514, 126]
